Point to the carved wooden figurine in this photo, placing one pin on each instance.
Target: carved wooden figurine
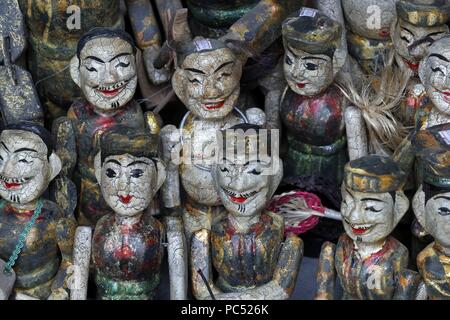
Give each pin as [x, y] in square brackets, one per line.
[53, 43]
[27, 165]
[370, 263]
[127, 248]
[105, 70]
[246, 245]
[431, 205]
[18, 97]
[368, 28]
[434, 73]
[419, 24]
[311, 107]
[206, 80]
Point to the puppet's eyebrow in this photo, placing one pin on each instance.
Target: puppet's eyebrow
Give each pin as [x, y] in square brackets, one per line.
[292, 52]
[95, 58]
[120, 55]
[442, 197]
[371, 199]
[137, 162]
[114, 161]
[4, 146]
[311, 57]
[223, 65]
[439, 56]
[408, 31]
[194, 70]
[24, 149]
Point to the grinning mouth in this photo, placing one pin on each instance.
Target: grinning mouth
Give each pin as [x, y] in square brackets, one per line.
[214, 105]
[13, 183]
[112, 90]
[239, 197]
[384, 32]
[414, 66]
[359, 229]
[445, 95]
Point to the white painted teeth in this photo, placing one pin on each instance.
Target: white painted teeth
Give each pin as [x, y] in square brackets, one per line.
[240, 195]
[112, 87]
[361, 226]
[13, 180]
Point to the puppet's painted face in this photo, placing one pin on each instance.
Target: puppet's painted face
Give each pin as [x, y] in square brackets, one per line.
[25, 170]
[208, 83]
[107, 73]
[412, 42]
[370, 18]
[243, 187]
[307, 74]
[128, 183]
[367, 217]
[434, 215]
[435, 76]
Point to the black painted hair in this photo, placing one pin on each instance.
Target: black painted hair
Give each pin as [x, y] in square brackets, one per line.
[122, 139]
[430, 190]
[248, 126]
[103, 32]
[37, 129]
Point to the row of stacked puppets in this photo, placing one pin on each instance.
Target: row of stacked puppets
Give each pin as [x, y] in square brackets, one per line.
[223, 141]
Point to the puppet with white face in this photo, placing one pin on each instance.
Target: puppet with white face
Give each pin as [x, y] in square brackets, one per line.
[206, 80]
[431, 205]
[368, 36]
[105, 70]
[27, 165]
[434, 72]
[311, 108]
[245, 180]
[127, 246]
[369, 262]
[419, 24]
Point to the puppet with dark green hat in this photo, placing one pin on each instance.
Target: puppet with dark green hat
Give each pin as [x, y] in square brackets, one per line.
[127, 245]
[312, 106]
[370, 263]
[431, 206]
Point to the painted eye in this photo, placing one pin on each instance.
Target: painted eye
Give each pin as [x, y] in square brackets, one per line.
[372, 209]
[311, 66]
[255, 172]
[223, 75]
[193, 81]
[23, 161]
[288, 60]
[443, 211]
[224, 169]
[405, 39]
[91, 69]
[110, 173]
[437, 69]
[136, 173]
[123, 64]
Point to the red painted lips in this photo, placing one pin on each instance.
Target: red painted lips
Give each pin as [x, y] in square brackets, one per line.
[238, 199]
[12, 185]
[359, 231]
[214, 106]
[446, 96]
[110, 93]
[413, 66]
[301, 85]
[125, 199]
